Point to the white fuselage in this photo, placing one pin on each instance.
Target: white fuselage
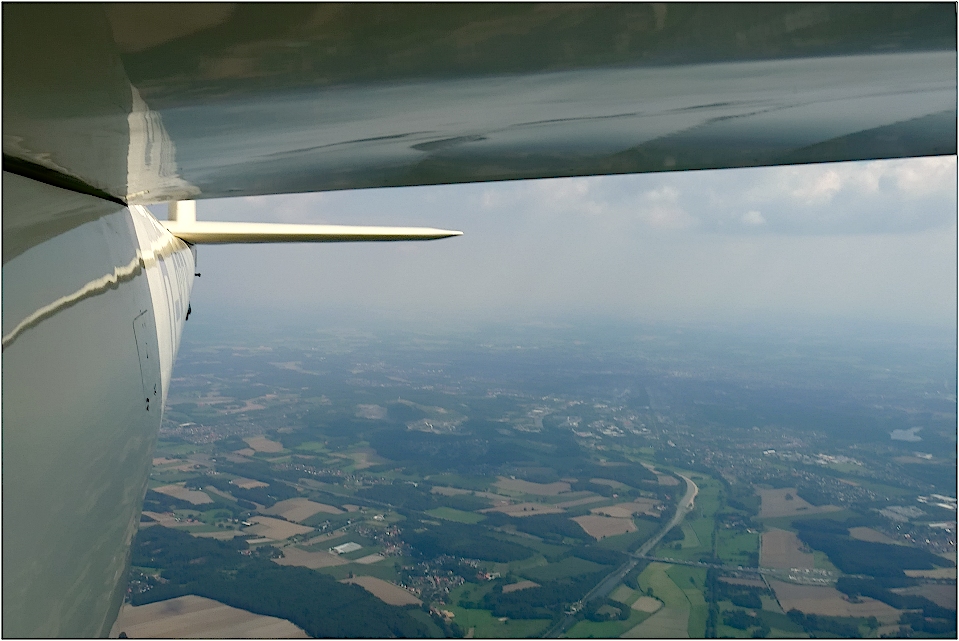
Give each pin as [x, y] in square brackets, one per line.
[94, 301]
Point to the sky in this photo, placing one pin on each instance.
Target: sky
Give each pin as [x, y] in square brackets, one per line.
[864, 241]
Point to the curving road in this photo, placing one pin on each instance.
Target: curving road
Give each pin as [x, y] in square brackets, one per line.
[686, 505]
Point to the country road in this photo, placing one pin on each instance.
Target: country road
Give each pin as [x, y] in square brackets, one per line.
[604, 587]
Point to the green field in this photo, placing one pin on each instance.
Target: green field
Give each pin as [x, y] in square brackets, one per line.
[385, 571]
[624, 594]
[687, 577]
[570, 566]
[697, 528]
[736, 547]
[881, 488]
[311, 446]
[631, 540]
[159, 478]
[470, 592]
[672, 620]
[785, 522]
[770, 604]
[548, 550]
[476, 483]
[822, 562]
[486, 626]
[780, 625]
[663, 588]
[170, 448]
[691, 581]
[519, 567]
[690, 538]
[606, 629]
[451, 514]
[434, 630]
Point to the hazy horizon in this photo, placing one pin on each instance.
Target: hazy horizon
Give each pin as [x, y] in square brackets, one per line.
[840, 244]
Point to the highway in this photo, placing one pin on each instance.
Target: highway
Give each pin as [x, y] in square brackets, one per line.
[611, 580]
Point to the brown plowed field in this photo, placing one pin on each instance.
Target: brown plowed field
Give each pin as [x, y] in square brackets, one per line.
[599, 527]
[527, 487]
[814, 599]
[177, 491]
[871, 535]
[782, 549]
[248, 484]
[627, 510]
[275, 528]
[369, 559]
[311, 560]
[938, 573]
[943, 595]
[522, 585]
[300, 509]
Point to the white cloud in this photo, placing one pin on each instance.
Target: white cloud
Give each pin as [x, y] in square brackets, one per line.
[886, 196]
[816, 189]
[660, 209]
[753, 217]
[926, 175]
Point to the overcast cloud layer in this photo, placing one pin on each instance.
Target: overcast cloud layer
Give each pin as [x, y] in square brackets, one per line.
[857, 241]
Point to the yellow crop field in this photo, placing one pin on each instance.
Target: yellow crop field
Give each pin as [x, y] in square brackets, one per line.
[194, 617]
[384, 590]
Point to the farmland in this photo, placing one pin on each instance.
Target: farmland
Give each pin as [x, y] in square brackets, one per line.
[782, 549]
[177, 491]
[828, 601]
[647, 604]
[481, 624]
[519, 585]
[600, 527]
[943, 595]
[672, 620]
[276, 529]
[263, 444]
[527, 487]
[385, 591]
[194, 617]
[451, 514]
[300, 509]
[627, 510]
[526, 509]
[786, 502]
[869, 534]
[313, 560]
[506, 504]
